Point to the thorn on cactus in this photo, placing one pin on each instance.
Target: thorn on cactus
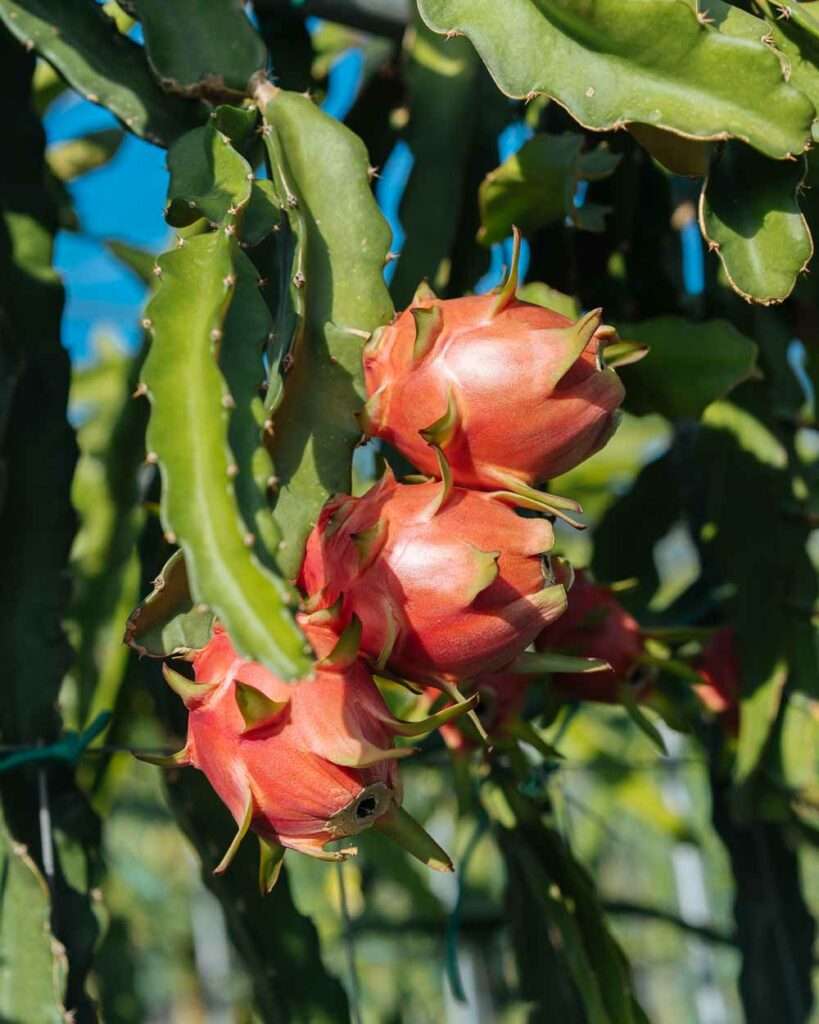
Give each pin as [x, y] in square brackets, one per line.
[257, 709]
[445, 492]
[484, 572]
[577, 338]
[390, 639]
[233, 849]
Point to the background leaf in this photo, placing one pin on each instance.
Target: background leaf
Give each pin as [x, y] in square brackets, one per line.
[688, 366]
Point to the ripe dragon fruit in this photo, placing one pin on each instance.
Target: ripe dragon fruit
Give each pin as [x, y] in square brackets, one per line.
[447, 583]
[721, 682]
[299, 764]
[510, 393]
[595, 625]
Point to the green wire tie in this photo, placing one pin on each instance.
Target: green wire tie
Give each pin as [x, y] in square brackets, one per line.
[68, 749]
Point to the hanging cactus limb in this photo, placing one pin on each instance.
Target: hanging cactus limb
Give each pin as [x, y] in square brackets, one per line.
[103, 65]
[168, 622]
[36, 527]
[247, 327]
[189, 439]
[750, 216]
[708, 85]
[34, 963]
[340, 245]
[198, 52]
[209, 177]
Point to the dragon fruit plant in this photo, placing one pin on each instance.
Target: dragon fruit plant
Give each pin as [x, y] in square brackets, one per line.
[291, 600]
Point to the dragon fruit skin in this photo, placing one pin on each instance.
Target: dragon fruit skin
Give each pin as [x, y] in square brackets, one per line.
[513, 396]
[318, 766]
[447, 584]
[595, 625]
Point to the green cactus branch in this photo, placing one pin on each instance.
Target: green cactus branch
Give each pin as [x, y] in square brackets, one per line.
[188, 435]
[340, 244]
[103, 65]
[604, 66]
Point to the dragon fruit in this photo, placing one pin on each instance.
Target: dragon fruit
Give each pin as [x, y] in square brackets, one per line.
[447, 583]
[721, 684]
[299, 764]
[510, 393]
[595, 625]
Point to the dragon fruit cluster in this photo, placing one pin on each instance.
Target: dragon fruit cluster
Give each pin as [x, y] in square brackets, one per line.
[438, 582]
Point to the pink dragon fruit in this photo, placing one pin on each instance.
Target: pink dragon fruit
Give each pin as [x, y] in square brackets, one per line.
[511, 394]
[595, 625]
[300, 764]
[721, 682]
[447, 583]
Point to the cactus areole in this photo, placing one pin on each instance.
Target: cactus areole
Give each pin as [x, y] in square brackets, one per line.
[510, 393]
